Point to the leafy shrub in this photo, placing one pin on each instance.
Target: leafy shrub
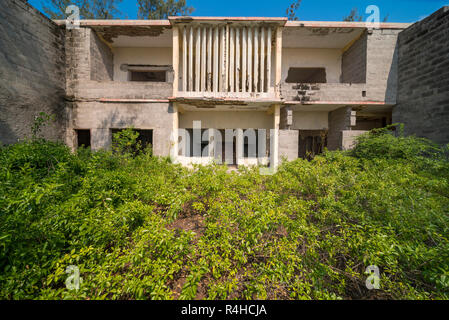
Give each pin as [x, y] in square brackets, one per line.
[382, 143]
[142, 228]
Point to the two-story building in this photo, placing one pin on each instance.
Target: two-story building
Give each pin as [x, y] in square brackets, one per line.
[318, 84]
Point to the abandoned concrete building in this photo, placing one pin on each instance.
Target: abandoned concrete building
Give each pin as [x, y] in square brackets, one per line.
[319, 84]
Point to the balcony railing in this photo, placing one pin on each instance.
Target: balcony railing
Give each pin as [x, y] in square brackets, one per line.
[226, 60]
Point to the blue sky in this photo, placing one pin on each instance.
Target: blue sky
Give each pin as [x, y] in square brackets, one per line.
[325, 10]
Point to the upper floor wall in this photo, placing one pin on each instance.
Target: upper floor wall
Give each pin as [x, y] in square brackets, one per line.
[258, 59]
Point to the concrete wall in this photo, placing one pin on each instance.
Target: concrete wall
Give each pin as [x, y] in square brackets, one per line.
[326, 92]
[349, 138]
[423, 97]
[353, 63]
[330, 59]
[227, 119]
[32, 71]
[101, 59]
[93, 90]
[288, 144]
[148, 56]
[310, 120]
[102, 117]
[382, 65]
[368, 72]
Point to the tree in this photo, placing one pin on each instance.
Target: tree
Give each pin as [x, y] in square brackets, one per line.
[353, 16]
[89, 9]
[162, 9]
[291, 10]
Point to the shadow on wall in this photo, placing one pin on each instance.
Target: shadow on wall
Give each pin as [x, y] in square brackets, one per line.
[392, 80]
[7, 135]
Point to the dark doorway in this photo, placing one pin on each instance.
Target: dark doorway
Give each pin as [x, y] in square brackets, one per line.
[145, 137]
[311, 143]
[83, 138]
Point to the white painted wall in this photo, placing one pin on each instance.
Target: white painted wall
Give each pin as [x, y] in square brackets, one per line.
[313, 58]
[310, 120]
[153, 56]
[227, 119]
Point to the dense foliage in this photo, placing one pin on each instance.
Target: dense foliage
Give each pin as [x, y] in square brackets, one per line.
[139, 227]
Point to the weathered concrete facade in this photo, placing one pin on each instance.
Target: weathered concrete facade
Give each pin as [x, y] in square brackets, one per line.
[423, 94]
[100, 104]
[315, 84]
[32, 72]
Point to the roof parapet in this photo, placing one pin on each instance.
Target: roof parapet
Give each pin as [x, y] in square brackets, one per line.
[280, 21]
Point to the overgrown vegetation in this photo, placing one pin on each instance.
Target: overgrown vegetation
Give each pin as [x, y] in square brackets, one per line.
[139, 227]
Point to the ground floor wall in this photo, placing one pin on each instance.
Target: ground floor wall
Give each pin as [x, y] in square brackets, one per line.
[227, 119]
[233, 141]
[100, 118]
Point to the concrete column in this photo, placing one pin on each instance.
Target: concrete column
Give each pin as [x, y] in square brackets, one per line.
[197, 59]
[237, 59]
[339, 121]
[216, 45]
[203, 59]
[269, 59]
[278, 73]
[250, 59]
[190, 59]
[256, 59]
[262, 59]
[209, 59]
[231, 58]
[174, 138]
[244, 57]
[274, 139]
[175, 60]
[286, 117]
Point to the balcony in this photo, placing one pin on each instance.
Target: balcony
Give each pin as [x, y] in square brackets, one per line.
[220, 58]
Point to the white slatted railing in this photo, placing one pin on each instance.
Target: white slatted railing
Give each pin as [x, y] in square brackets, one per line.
[225, 58]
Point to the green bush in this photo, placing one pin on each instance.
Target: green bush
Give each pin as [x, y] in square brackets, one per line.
[139, 227]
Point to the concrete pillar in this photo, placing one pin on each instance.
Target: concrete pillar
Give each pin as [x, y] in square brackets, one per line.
[274, 138]
[250, 59]
[278, 57]
[339, 121]
[174, 139]
[237, 59]
[203, 59]
[244, 57]
[216, 45]
[262, 59]
[286, 121]
[184, 59]
[190, 54]
[269, 59]
[256, 59]
[175, 60]
[209, 60]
